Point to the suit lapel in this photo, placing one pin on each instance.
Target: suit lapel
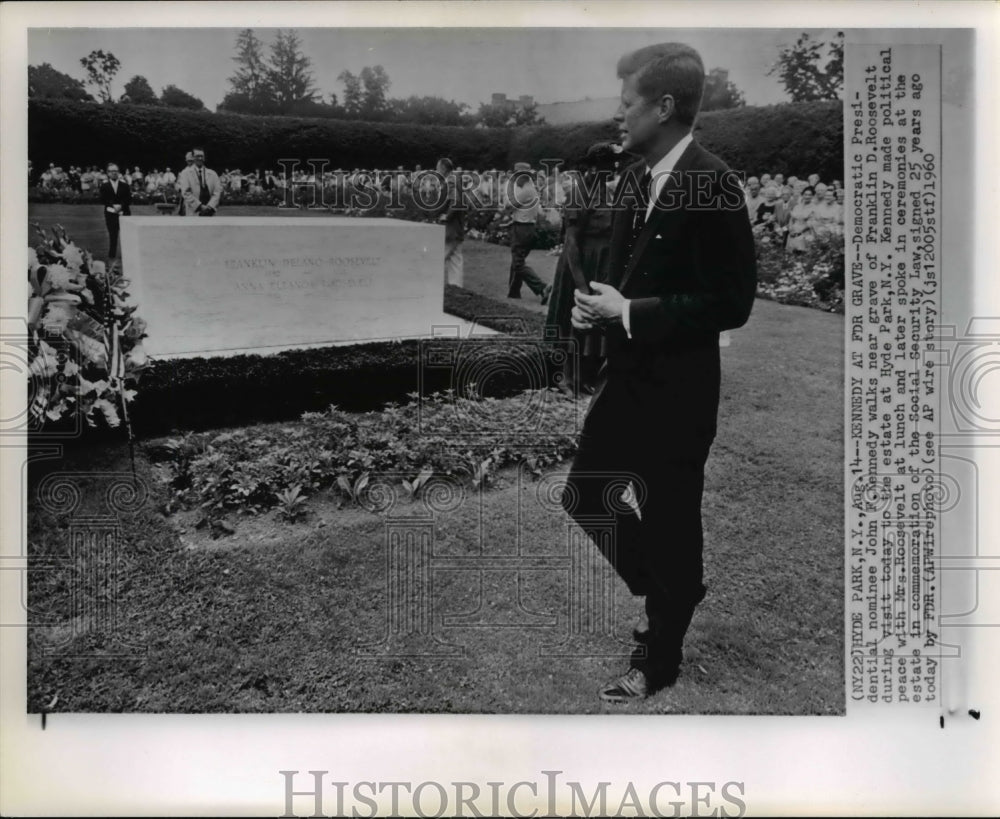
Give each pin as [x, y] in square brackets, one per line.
[621, 228]
[662, 218]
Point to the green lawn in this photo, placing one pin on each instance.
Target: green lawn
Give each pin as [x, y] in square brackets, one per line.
[275, 617]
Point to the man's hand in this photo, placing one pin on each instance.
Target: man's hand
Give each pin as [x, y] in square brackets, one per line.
[578, 320]
[599, 310]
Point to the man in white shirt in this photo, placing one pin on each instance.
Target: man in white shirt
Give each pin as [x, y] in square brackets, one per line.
[199, 187]
[524, 207]
[682, 270]
[116, 197]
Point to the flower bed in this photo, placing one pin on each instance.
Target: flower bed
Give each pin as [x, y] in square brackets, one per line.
[442, 437]
[813, 278]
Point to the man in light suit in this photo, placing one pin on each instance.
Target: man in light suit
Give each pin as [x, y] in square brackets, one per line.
[199, 187]
[116, 199]
[683, 270]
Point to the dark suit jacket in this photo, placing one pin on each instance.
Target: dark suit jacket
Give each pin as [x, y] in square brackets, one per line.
[123, 197]
[691, 274]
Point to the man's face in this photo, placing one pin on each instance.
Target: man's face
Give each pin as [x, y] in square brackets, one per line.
[638, 120]
[754, 188]
[112, 171]
[441, 169]
[199, 158]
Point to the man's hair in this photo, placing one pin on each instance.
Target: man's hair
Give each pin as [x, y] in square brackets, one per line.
[111, 165]
[197, 151]
[667, 68]
[446, 163]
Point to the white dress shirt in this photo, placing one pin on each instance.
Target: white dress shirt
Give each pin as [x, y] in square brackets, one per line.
[659, 174]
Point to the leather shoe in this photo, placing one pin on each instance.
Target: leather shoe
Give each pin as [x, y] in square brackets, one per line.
[632, 685]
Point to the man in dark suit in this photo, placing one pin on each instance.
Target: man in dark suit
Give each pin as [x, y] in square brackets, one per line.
[116, 198]
[683, 269]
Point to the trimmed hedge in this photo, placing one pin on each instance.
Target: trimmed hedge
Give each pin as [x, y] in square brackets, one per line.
[793, 139]
[796, 139]
[69, 133]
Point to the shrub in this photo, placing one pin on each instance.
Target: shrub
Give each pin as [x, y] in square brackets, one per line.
[813, 278]
[796, 138]
[443, 436]
[151, 136]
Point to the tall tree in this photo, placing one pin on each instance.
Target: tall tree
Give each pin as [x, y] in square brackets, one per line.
[139, 92]
[799, 70]
[250, 87]
[376, 85]
[353, 99]
[721, 92]
[101, 68]
[45, 82]
[289, 71]
[176, 98]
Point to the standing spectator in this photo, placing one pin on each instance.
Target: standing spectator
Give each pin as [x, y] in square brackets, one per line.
[452, 213]
[586, 257]
[754, 198]
[116, 197]
[783, 213]
[523, 205]
[199, 187]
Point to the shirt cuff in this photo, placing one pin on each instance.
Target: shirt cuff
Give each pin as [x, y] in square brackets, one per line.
[625, 318]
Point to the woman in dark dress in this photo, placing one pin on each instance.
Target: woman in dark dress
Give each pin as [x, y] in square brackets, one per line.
[585, 258]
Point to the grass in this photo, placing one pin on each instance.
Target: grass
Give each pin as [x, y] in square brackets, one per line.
[275, 617]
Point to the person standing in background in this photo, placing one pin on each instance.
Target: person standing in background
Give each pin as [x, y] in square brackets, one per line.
[452, 213]
[116, 199]
[199, 187]
[585, 258]
[524, 208]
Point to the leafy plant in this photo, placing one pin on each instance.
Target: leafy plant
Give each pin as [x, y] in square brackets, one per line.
[291, 502]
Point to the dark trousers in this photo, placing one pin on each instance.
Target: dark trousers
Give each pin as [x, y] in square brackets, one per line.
[522, 235]
[111, 220]
[626, 440]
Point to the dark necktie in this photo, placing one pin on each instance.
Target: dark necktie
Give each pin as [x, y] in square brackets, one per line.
[639, 217]
[203, 194]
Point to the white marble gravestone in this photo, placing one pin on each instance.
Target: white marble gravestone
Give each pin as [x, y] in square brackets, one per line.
[226, 285]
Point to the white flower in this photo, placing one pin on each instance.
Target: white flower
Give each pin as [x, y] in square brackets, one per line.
[58, 276]
[32, 260]
[73, 256]
[137, 356]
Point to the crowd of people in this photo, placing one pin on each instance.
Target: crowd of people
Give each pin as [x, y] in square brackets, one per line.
[795, 210]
